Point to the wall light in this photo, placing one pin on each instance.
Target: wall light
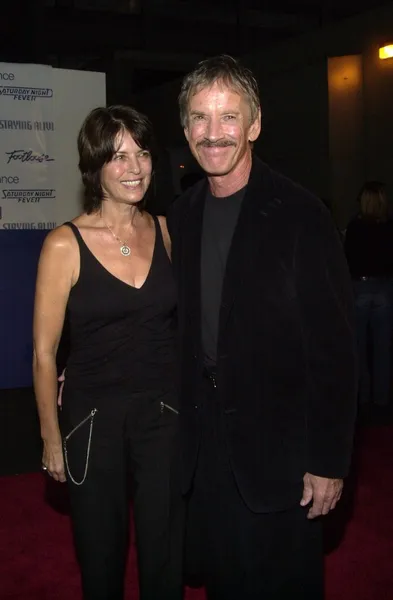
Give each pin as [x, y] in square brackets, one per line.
[386, 52]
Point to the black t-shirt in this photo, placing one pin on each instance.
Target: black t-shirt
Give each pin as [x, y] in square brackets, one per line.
[219, 222]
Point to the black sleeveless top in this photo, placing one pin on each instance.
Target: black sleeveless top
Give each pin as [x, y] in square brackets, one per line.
[121, 336]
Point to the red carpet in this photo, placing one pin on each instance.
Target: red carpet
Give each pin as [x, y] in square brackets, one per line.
[37, 561]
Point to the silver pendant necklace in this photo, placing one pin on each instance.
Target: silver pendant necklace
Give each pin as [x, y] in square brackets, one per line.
[124, 248]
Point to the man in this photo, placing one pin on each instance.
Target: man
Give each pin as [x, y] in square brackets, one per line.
[266, 344]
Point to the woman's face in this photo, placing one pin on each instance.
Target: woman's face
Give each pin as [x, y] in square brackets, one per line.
[126, 177]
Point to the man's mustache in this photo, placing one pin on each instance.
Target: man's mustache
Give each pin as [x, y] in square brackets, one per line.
[218, 144]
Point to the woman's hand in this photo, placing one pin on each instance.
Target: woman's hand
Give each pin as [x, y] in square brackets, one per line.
[53, 461]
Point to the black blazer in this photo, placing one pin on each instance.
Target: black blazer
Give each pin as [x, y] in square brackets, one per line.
[286, 345]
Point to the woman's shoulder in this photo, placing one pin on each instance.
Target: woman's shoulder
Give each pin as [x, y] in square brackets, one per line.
[59, 240]
[165, 233]
[152, 219]
[162, 221]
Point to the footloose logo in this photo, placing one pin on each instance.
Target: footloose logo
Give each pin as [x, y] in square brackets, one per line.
[25, 93]
[29, 196]
[27, 156]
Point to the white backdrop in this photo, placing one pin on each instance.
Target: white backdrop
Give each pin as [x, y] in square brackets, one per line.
[41, 111]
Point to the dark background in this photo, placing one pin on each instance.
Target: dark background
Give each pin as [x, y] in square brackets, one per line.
[142, 43]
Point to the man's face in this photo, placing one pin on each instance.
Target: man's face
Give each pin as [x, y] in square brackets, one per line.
[219, 129]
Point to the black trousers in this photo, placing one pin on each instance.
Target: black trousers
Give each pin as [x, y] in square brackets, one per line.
[126, 436]
[235, 552]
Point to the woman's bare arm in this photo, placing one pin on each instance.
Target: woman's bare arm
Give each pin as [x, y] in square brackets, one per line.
[56, 275]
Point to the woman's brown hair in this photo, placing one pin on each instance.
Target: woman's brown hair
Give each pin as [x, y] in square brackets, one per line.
[96, 145]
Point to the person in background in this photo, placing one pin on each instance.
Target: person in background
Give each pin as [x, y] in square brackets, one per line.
[369, 251]
[109, 269]
[267, 354]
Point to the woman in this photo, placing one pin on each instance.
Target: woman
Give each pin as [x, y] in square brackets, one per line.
[369, 250]
[109, 271]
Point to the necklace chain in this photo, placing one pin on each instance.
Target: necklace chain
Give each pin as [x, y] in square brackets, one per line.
[124, 248]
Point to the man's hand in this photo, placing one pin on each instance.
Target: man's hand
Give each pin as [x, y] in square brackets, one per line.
[323, 492]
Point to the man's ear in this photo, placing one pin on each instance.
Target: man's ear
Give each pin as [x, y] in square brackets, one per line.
[186, 133]
[255, 128]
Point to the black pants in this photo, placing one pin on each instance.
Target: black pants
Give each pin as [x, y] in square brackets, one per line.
[237, 553]
[137, 435]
